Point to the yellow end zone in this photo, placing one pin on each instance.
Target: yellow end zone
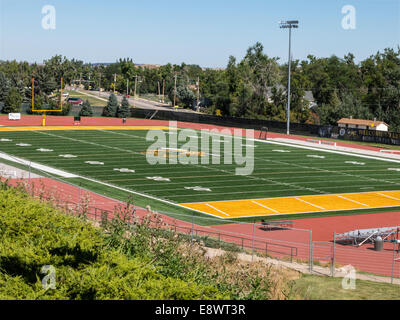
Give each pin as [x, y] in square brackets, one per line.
[50, 128]
[300, 204]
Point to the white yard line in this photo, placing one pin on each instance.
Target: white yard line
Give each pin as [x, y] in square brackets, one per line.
[363, 204]
[209, 205]
[311, 204]
[384, 195]
[273, 210]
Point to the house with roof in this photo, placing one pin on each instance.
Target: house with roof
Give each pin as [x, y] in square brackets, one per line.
[308, 95]
[363, 124]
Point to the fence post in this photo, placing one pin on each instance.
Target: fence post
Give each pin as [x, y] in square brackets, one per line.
[192, 225]
[254, 228]
[394, 258]
[79, 200]
[333, 255]
[310, 253]
[29, 177]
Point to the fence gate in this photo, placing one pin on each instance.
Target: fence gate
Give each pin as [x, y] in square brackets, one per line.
[323, 251]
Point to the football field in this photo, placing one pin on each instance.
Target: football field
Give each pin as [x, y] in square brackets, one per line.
[287, 178]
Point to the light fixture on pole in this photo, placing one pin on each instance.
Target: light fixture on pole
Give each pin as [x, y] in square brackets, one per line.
[289, 25]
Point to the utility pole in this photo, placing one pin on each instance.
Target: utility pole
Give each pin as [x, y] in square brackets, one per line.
[115, 80]
[289, 25]
[99, 84]
[198, 94]
[163, 91]
[158, 91]
[127, 86]
[175, 92]
[135, 87]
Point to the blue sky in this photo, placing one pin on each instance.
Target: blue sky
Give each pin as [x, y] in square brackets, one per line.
[202, 32]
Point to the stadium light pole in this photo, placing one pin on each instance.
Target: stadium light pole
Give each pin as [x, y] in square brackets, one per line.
[289, 25]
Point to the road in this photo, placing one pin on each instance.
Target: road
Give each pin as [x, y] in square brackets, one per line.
[138, 102]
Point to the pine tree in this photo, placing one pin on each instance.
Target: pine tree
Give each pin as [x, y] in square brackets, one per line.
[110, 110]
[13, 102]
[124, 109]
[86, 110]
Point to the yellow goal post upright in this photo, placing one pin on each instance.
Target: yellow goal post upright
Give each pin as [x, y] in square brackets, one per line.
[44, 111]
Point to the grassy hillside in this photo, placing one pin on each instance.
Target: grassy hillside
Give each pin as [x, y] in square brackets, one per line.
[34, 235]
[106, 262]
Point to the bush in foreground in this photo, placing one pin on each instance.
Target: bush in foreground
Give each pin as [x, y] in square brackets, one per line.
[33, 234]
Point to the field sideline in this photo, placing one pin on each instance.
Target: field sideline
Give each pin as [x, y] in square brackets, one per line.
[287, 179]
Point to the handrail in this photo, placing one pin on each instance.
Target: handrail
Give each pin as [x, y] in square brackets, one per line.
[360, 244]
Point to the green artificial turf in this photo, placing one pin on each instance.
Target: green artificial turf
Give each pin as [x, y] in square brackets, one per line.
[276, 174]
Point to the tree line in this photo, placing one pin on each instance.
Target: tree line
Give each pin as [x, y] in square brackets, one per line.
[323, 90]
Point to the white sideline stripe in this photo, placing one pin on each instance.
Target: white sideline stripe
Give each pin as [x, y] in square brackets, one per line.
[390, 151]
[363, 204]
[265, 207]
[314, 205]
[329, 151]
[37, 166]
[381, 194]
[217, 209]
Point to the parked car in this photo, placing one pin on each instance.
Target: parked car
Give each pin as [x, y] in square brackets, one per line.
[77, 101]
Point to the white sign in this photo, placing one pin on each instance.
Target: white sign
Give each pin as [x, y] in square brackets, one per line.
[14, 116]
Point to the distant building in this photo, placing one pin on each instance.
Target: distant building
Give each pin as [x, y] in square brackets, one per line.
[148, 66]
[308, 95]
[363, 124]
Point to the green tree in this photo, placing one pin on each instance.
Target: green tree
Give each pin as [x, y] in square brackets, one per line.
[13, 101]
[110, 110]
[124, 110]
[4, 86]
[86, 110]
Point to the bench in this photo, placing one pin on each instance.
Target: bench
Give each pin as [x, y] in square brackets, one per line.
[269, 225]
